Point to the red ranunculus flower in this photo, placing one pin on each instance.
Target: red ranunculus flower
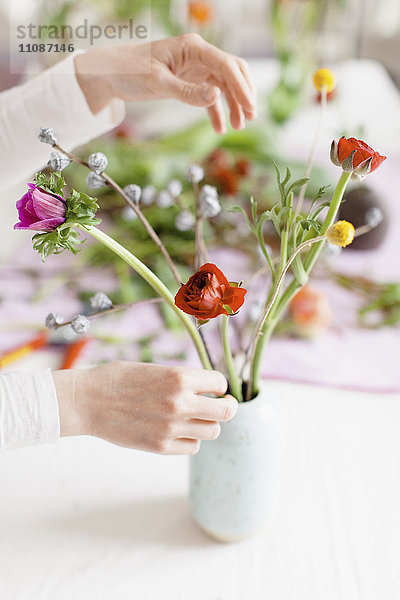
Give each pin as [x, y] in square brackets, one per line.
[362, 152]
[206, 293]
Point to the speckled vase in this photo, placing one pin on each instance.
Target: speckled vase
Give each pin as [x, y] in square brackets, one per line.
[235, 480]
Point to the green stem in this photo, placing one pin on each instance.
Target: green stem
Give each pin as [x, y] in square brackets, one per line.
[309, 262]
[156, 284]
[284, 247]
[234, 379]
[337, 197]
[266, 255]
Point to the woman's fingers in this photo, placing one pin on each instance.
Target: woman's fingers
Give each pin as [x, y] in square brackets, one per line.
[184, 446]
[226, 68]
[190, 93]
[252, 114]
[199, 429]
[202, 381]
[212, 409]
[232, 76]
[235, 110]
[217, 116]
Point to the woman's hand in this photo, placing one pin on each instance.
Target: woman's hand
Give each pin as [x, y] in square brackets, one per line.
[185, 67]
[144, 406]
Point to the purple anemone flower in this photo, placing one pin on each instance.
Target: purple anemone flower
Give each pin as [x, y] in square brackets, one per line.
[39, 210]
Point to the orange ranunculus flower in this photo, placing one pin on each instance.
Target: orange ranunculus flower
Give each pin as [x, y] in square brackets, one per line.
[364, 160]
[207, 292]
[201, 11]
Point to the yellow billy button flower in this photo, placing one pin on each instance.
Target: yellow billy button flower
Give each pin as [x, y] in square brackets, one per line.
[340, 233]
[324, 78]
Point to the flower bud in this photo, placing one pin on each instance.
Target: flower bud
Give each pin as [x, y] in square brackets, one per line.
[98, 162]
[184, 221]
[100, 302]
[148, 195]
[195, 173]
[174, 187]
[53, 320]
[324, 78]
[80, 324]
[58, 161]
[209, 205]
[95, 181]
[39, 210]
[165, 200]
[355, 156]
[133, 192]
[47, 136]
[340, 234]
[128, 214]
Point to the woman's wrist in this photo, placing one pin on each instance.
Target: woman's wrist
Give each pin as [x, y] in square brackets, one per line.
[94, 84]
[73, 420]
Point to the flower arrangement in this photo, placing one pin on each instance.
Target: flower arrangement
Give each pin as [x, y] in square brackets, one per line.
[58, 218]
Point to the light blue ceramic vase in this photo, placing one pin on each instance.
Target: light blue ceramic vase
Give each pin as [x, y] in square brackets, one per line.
[235, 480]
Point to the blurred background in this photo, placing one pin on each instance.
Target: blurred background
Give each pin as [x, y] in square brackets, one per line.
[354, 298]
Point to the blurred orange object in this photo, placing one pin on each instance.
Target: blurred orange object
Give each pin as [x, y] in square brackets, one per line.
[73, 352]
[225, 174]
[201, 12]
[310, 311]
[39, 341]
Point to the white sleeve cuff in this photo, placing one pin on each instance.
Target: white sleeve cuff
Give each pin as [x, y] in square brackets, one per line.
[28, 409]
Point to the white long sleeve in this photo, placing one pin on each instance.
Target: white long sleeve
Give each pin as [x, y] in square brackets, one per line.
[52, 99]
[28, 409]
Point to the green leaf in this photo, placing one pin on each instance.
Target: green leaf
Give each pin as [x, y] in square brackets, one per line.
[200, 322]
[319, 209]
[287, 177]
[297, 184]
[299, 271]
[240, 209]
[228, 309]
[321, 192]
[306, 225]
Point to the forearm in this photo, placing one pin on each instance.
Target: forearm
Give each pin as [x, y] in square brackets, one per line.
[52, 99]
